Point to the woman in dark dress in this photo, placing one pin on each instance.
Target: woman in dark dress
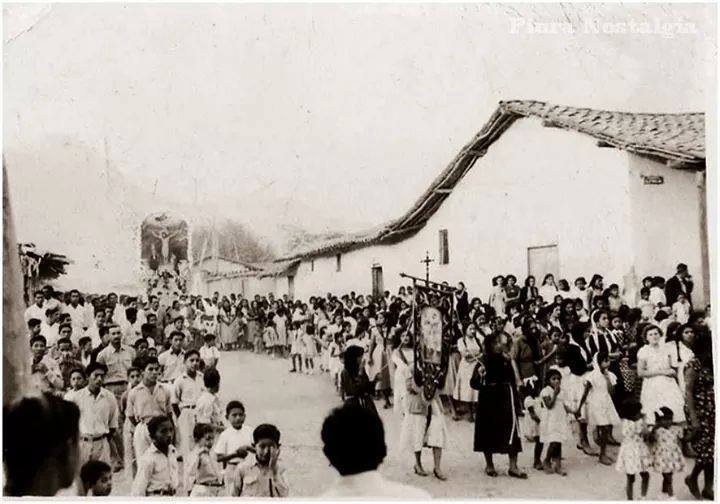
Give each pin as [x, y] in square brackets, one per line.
[700, 403]
[498, 407]
[356, 387]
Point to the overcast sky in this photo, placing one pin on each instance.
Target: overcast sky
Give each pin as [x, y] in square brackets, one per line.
[352, 109]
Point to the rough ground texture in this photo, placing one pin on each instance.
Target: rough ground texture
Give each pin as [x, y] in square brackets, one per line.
[297, 404]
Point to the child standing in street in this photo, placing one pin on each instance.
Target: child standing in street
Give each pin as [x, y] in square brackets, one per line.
[128, 429]
[234, 443]
[265, 477]
[157, 474]
[634, 456]
[186, 391]
[601, 412]
[209, 353]
[208, 409]
[533, 413]
[667, 457]
[296, 348]
[202, 474]
[554, 427]
[310, 348]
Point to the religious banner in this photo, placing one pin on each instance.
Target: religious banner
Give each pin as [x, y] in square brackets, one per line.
[164, 245]
[432, 330]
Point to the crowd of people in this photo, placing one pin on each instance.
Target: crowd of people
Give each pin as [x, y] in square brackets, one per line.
[548, 364]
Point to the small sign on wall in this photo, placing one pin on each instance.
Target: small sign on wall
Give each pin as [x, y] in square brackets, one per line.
[653, 179]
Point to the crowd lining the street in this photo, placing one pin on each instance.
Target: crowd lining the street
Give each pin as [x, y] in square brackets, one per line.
[552, 364]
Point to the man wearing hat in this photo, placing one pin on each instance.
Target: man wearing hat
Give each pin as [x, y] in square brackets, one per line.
[680, 283]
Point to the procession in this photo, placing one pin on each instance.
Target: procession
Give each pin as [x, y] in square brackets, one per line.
[522, 309]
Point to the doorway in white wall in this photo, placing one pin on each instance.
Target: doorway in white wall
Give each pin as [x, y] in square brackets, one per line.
[377, 281]
[291, 286]
[543, 260]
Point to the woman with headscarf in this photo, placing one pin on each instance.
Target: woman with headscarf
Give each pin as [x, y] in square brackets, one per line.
[580, 362]
[700, 396]
[462, 306]
[548, 290]
[529, 291]
[498, 407]
[355, 386]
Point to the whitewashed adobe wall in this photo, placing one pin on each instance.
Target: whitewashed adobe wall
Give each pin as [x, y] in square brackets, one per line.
[666, 222]
[535, 186]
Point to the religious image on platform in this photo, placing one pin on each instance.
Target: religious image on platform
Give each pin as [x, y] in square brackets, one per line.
[361, 251]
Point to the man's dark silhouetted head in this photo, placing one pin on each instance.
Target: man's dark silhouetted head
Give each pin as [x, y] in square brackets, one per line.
[353, 440]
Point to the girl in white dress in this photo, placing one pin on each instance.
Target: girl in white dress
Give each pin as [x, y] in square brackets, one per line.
[659, 387]
[600, 408]
[634, 456]
[533, 413]
[470, 351]
[498, 298]
[554, 425]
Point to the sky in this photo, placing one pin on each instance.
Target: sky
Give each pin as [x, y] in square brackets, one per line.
[348, 110]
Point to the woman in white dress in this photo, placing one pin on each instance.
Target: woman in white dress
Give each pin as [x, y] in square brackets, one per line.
[660, 387]
[402, 358]
[470, 349]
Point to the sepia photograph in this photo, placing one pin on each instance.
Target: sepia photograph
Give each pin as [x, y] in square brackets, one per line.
[368, 251]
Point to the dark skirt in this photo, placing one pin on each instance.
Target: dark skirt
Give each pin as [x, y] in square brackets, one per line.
[364, 401]
[496, 420]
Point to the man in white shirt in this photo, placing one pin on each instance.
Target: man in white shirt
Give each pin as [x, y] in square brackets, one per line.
[50, 301]
[354, 443]
[93, 332]
[50, 328]
[172, 360]
[78, 313]
[37, 309]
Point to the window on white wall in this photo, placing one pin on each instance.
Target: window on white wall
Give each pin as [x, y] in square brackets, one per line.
[312, 264]
[444, 247]
[338, 262]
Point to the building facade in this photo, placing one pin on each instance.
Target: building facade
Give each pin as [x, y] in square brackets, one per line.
[541, 189]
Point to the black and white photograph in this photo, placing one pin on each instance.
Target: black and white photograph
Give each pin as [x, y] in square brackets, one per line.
[385, 251]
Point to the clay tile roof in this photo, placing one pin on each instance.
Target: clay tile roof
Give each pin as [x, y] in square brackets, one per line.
[678, 138]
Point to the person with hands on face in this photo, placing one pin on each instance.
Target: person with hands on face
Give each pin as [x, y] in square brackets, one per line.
[265, 477]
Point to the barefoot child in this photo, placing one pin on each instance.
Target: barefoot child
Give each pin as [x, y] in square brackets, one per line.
[601, 411]
[234, 443]
[202, 473]
[554, 427]
[296, 348]
[157, 473]
[634, 456]
[264, 477]
[533, 412]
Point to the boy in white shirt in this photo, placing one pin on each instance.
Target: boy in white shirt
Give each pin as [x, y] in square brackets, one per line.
[209, 353]
[235, 442]
[681, 309]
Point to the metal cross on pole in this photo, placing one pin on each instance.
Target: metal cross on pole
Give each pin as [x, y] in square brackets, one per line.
[427, 262]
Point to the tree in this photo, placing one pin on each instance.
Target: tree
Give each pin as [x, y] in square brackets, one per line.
[234, 241]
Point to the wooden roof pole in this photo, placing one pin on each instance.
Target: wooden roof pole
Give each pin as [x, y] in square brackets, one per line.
[16, 351]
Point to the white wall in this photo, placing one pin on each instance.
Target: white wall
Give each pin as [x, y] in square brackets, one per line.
[666, 222]
[535, 186]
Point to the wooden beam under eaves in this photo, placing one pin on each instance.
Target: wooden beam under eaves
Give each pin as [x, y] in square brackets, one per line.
[547, 123]
[442, 191]
[684, 165]
[603, 144]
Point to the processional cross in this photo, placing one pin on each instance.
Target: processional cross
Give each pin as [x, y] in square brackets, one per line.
[427, 262]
